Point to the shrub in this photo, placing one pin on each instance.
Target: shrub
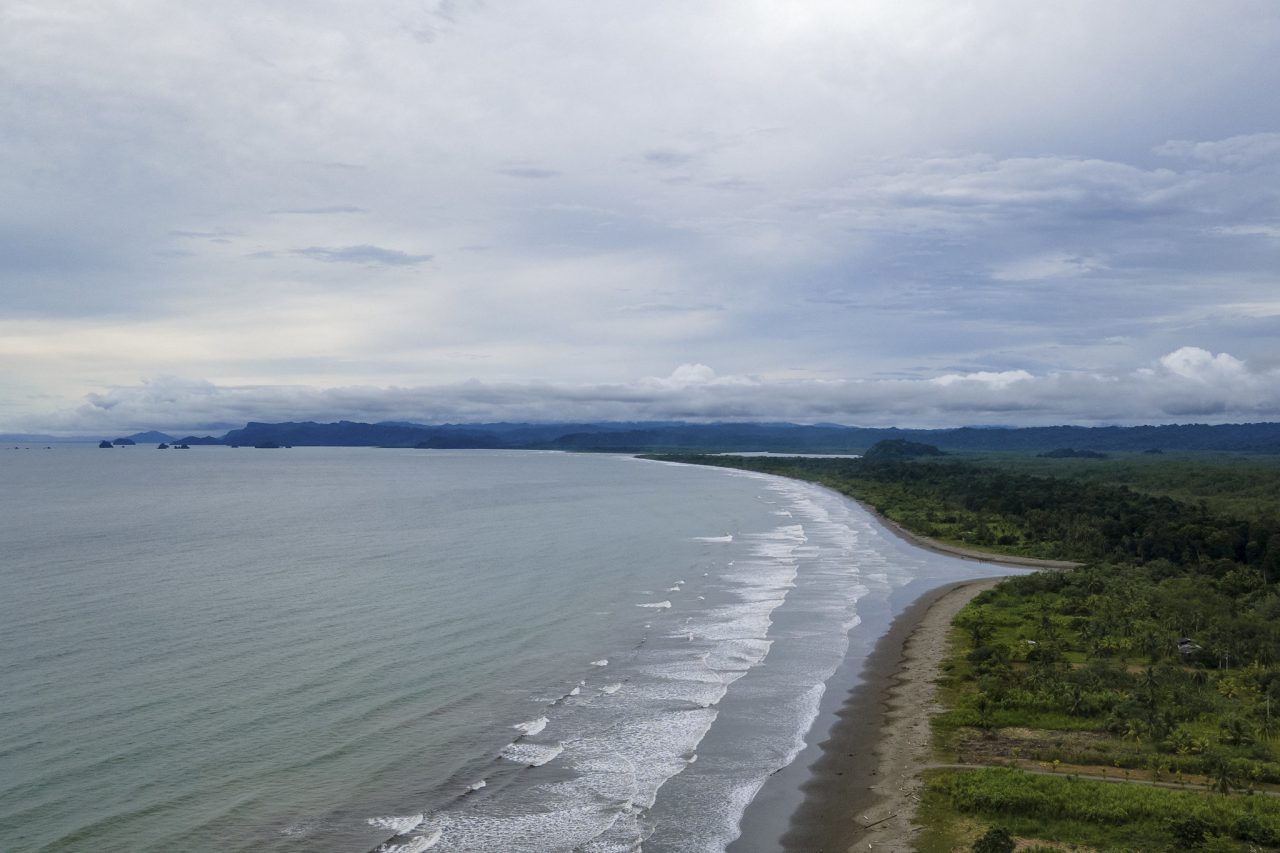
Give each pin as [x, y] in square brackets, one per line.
[1189, 833]
[1249, 828]
[1219, 844]
[995, 840]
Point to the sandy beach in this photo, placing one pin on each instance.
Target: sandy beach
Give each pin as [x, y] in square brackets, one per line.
[867, 797]
[861, 791]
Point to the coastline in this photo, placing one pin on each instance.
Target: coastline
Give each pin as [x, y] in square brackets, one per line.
[859, 789]
[929, 544]
[856, 795]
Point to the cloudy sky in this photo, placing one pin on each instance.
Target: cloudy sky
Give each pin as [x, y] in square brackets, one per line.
[920, 213]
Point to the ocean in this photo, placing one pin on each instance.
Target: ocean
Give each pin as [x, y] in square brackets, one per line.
[358, 649]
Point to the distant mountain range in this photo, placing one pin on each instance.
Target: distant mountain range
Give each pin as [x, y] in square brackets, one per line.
[32, 438]
[778, 437]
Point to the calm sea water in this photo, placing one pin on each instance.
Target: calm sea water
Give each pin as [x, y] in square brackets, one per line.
[326, 649]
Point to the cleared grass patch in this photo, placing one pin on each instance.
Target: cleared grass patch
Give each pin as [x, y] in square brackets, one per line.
[1099, 814]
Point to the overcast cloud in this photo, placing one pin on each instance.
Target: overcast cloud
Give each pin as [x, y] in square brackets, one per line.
[921, 213]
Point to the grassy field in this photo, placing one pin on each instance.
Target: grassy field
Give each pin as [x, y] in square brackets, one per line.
[1063, 810]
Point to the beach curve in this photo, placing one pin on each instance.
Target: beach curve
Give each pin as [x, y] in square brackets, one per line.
[856, 796]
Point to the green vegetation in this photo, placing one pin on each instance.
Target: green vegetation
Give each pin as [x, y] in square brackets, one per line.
[1154, 672]
[1101, 814]
[1157, 662]
[1232, 485]
[900, 448]
[992, 504]
[1072, 453]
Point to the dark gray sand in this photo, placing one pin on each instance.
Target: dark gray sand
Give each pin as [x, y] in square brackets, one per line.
[854, 790]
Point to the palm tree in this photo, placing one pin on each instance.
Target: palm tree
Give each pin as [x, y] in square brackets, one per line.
[984, 713]
[1076, 701]
[1235, 732]
[1222, 776]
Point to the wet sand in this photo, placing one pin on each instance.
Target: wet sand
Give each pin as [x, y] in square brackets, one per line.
[867, 797]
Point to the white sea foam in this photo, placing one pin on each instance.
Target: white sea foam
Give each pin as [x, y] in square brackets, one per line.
[675, 588]
[610, 689]
[563, 826]
[397, 824]
[416, 844]
[683, 667]
[671, 692]
[476, 786]
[575, 691]
[300, 829]
[601, 662]
[533, 754]
[735, 621]
[656, 744]
[726, 538]
[806, 706]
[659, 605]
[532, 727]
[737, 656]
[625, 835]
[714, 813]
[608, 777]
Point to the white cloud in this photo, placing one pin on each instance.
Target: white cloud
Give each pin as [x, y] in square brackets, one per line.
[1245, 150]
[1201, 365]
[996, 380]
[1272, 231]
[1051, 265]
[1189, 383]
[685, 376]
[370, 255]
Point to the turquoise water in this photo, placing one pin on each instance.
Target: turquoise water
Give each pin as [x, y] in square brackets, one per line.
[330, 649]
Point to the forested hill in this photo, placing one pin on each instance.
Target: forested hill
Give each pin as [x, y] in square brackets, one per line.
[780, 437]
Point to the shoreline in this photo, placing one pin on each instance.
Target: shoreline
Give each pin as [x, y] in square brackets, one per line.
[930, 544]
[856, 795]
[863, 786]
